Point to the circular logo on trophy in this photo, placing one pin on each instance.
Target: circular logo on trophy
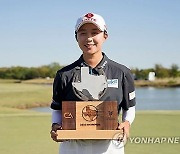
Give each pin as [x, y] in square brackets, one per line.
[90, 113]
[119, 140]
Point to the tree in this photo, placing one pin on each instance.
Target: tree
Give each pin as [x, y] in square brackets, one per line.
[141, 74]
[161, 72]
[174, 71]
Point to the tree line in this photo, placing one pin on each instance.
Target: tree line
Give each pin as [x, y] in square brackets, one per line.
[25, 73]
[160, 72]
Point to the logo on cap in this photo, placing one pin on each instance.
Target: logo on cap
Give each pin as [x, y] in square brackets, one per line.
[89, 15]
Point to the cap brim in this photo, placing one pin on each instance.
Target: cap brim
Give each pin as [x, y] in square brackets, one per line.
[88, 22]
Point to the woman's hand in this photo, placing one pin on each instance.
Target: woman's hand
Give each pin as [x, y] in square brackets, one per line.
[53, 132]
[125, 126]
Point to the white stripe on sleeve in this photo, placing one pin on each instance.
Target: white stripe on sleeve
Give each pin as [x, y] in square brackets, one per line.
[129, 114]
[57, 116]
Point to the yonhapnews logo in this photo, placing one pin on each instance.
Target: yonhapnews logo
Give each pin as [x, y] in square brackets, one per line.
[90, 113]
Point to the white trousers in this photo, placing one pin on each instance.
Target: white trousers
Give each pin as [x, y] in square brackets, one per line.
[91, 147]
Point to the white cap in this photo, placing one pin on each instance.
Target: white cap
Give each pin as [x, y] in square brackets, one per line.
[91, 18]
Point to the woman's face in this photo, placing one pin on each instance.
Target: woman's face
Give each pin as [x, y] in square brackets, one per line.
[90, 39]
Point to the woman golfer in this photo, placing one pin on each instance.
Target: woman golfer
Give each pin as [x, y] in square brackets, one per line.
[91, 33]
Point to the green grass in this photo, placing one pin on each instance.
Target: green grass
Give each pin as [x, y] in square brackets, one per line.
[23, 131]
[164, 82]
[9, 81]
[155, 124]
[20, 95]
[27, 132]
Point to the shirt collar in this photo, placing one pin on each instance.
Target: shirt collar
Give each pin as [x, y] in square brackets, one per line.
[102, 63]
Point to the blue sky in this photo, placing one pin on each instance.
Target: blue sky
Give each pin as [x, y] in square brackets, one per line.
[142, 33]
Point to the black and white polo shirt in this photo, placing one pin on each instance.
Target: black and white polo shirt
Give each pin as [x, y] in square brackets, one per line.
[120, 83]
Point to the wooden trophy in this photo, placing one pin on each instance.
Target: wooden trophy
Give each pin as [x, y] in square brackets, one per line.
[89, 120]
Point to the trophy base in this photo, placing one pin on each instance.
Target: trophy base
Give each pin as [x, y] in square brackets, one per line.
[88, 134]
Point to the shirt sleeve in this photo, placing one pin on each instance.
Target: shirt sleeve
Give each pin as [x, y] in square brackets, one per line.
[128, 91]
[57, 117]
[57, 92]
[128, 115]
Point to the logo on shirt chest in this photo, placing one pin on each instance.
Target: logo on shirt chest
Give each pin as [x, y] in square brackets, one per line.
[113, 83]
